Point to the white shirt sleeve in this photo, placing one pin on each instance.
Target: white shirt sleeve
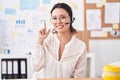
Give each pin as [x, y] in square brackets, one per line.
[80, 67]
[37, 58]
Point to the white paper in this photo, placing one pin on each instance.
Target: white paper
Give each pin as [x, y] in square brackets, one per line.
[107, 29]
[92, 1]
[93, 19]
[112, 12]
[97, 34]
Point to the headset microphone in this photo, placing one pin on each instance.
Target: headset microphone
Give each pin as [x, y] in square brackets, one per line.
[67, 23]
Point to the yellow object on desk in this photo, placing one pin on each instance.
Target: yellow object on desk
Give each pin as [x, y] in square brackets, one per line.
[111, 72]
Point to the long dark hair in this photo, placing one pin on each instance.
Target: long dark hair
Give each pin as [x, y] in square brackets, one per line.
[69, 11]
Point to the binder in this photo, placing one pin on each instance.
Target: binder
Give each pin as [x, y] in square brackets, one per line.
[15, 69]
[9, 69]
[23, 64]
[4, 69]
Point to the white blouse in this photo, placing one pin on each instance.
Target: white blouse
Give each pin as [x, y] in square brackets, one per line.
[45, 58]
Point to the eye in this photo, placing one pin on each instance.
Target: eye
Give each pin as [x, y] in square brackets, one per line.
[63, 17]
[54, 18]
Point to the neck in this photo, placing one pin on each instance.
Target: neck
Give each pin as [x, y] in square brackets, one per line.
[64, 36]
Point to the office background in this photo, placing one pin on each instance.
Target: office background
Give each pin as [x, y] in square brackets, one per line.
[21, 19]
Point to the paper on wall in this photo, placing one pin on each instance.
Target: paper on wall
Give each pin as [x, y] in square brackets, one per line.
[98, 34]
[92, 1]
[93, 19]
[112, 12]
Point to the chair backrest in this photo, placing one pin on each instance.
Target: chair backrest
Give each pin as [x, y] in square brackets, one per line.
[90, 71]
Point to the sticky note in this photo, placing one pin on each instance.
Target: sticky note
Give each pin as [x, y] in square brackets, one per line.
[99, 4]
[14, 34]
[103, 2]
[10, 11]
[115, 26]
[16, 7]
[0, 8]
[11, 18]
[105, 34]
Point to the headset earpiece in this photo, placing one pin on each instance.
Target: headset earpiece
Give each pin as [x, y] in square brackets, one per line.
[73, 19]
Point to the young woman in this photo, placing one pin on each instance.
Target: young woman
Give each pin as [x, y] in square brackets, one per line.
[59, 53]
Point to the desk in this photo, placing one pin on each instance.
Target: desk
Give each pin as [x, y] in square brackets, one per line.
[74, 79]
[62, 79]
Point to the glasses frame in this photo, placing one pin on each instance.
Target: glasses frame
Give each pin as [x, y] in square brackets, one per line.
[61, 19]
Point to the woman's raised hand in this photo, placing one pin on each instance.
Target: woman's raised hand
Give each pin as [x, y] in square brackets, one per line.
[43, 33]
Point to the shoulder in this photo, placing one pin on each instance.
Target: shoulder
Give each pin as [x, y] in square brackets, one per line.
[77, 46]
[78, 39]
[79, 43]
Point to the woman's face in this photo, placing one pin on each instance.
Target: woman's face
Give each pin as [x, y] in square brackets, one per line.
[60, 20]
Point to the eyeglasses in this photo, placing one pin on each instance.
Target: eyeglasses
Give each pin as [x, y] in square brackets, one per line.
[62, 19]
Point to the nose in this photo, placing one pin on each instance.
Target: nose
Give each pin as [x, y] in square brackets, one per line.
[58, 20]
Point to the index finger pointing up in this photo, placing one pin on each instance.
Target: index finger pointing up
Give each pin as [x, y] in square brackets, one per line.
[45, 26]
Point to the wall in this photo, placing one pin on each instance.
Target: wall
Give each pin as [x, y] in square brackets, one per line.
[100, 41]
[20, 22]
[106, 51]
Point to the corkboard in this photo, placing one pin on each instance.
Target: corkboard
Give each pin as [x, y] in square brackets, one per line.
[85, 35]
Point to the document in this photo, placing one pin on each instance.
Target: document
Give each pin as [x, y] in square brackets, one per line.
[92, 1]
[112, 12]
[98, 34]
[93, 19]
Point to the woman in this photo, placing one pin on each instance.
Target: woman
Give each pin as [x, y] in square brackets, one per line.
[59, 53]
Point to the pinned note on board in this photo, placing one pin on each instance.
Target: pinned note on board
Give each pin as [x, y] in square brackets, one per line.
[99, 34]
[103, 2]
[0, 8]
[99, 4]
[115, 26]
